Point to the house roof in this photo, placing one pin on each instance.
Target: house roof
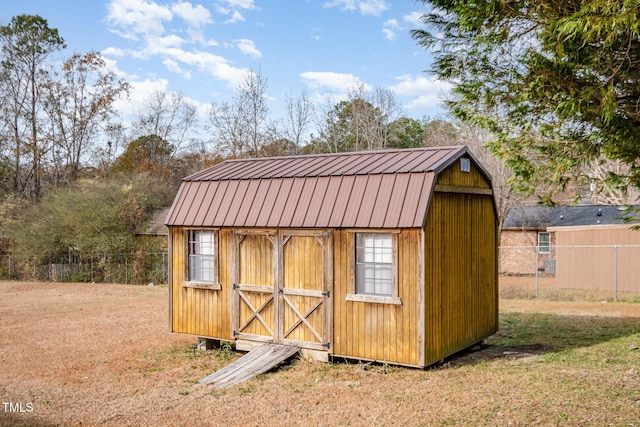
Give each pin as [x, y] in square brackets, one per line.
[373, 189]
[541, 217]
[155, 226]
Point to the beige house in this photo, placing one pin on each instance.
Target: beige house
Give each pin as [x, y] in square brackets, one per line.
[532, 236]
[603, 257]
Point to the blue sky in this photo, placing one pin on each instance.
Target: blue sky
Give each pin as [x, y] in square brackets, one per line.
[204, 48]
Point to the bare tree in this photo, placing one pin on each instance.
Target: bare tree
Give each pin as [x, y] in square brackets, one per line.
[299, 115]
[361, 122]
[373, 116]
[242, 127]
[607, 182]
[79, 104]
[228, 129]
[168, 116]
[105, 156]
[254, 111]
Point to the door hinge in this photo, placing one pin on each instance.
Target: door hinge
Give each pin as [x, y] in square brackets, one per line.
[234, 286]
[326, 345]
[327, 294]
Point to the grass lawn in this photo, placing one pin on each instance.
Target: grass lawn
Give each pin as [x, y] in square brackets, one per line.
[95, 354]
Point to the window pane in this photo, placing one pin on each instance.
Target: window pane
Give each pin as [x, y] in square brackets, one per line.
[374, 264]
[544, 242]
[383, 280]
[201, 256]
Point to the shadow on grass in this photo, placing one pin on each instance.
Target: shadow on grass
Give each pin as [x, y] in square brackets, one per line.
[524, 335]
[22, 419]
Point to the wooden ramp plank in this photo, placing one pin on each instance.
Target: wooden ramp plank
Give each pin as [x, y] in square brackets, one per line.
[258, 361]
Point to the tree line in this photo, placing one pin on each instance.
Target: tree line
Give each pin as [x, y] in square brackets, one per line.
[58, 121]
[77, 177]
[545, 93]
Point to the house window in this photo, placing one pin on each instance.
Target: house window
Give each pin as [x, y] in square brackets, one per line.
[375, 269]
[202, 258]
[544, 242]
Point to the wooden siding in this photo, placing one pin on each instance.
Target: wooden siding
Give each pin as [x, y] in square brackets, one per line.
[374, 331]
[303, 284]
[461, 266]
[202, 312]
[255, 278]
[452, 175]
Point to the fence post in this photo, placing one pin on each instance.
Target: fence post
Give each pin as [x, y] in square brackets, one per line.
[537, 270]
[615, 273]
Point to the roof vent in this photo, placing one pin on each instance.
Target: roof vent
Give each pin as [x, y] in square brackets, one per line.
[465, 165]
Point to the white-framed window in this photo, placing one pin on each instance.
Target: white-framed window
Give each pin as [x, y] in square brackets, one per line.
[202, 256]
[374, 264]
[375, 268]
[544, 242]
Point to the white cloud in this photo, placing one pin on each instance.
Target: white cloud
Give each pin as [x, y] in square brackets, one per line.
[139, 93]
[414, 19]
[346, 4]
[236, 16]
[174, 67]
[372, 7]
[366, 7]
[234, 8]
[389, 29]
[112, 65]
[113, 51]
[240, 4]
[158, 45]
[196, 17]
[211, 64]
[248, 47]
[423, 92]
[145, 20]
[330, 80]
[134, 17]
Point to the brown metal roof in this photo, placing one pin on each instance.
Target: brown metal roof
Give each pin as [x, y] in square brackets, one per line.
[373, 189]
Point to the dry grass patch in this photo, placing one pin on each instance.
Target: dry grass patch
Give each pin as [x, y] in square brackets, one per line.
[102, 355]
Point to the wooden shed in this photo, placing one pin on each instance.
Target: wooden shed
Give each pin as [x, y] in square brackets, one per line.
[387, 256]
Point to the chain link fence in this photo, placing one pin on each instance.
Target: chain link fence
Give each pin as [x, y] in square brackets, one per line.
[597, 271]
[138, 268]
[594, 272]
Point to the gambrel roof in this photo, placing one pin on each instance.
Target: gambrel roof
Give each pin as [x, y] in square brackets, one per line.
[372, 189]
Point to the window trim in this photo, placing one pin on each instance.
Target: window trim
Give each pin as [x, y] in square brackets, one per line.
[195, 284]
[546, 248]
[352, 294]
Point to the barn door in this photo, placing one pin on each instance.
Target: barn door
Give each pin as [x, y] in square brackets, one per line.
[305, 289]
[254, 306]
